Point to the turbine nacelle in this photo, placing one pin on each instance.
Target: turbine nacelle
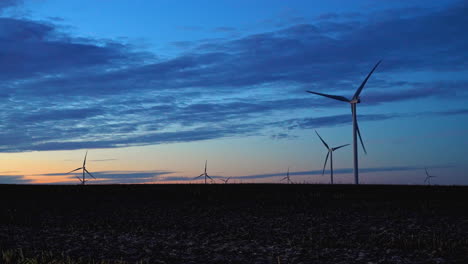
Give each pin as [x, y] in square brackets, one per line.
[355, 101]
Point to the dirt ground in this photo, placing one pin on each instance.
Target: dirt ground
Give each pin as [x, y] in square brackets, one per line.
[238, 223]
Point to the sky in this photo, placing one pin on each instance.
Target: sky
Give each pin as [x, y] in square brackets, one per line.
[153, 89]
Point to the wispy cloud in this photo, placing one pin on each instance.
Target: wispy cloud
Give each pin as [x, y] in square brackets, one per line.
[111, 177]
[225, 29]
[311, 173]
[14, 179]
[9, 3]
[103, 160]
[335, 171]
[337, 120]
[128, 177]
[61, 92]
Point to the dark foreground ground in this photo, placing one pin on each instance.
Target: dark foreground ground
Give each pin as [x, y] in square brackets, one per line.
[234, 224]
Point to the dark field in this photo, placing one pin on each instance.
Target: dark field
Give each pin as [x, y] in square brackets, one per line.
[234, 224]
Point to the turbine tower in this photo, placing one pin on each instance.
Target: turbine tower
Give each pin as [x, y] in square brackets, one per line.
[83, 180]
[428, 177]
[204, 174]
[287, 178]
[330, 153]
[353, 102]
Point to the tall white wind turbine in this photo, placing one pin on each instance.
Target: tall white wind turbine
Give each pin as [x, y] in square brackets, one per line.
[330, 153]
[353, 102]
[83, 179]
[204, 174]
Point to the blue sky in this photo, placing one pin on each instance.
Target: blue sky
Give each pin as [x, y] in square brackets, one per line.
[153, 89]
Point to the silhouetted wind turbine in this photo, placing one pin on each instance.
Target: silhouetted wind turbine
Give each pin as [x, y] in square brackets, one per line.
[428, 177]
[354, 101]
[204, 174]
[287, 178]
[83, 179]
[330, 153]
[225, 180]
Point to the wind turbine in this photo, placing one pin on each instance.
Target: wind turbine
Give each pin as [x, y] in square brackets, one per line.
[330, 153]
[428, 177]
[353, 102]
[83, 179]
[225, 180]
[287, 178]
[204, 174]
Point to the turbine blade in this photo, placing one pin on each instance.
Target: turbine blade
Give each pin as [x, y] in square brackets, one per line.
[198, 177]
[323, 141]
[74, 170]
[89, 173]
[358, 91]
[325, 164]
[333, 149]
[427, 174]
[81, 180]
[360, 138]
[84, 162]
[206, 163]
[336, 97]
[209, 177]
[284, 178]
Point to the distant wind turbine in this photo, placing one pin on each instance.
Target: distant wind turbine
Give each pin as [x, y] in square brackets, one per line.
[354, 101]
[428, 177]
[225, 180]
[287, 178]
[204, 174]
[330, 153]
[83, 180]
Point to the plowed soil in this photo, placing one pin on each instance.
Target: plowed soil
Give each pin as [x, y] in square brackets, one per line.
[238, 223]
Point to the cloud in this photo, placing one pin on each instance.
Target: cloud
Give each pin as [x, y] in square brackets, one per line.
[182, 44]
[225, 29]
[179, 178]
[307, 173]
[127, 177]
[335, 120]
[282, 136]
[59, 114]
[113, 177]
[33, 49]
[453, 112]
[60, 92]
[103, 160]
[9, 3]
[335, 171]
[14, 179]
